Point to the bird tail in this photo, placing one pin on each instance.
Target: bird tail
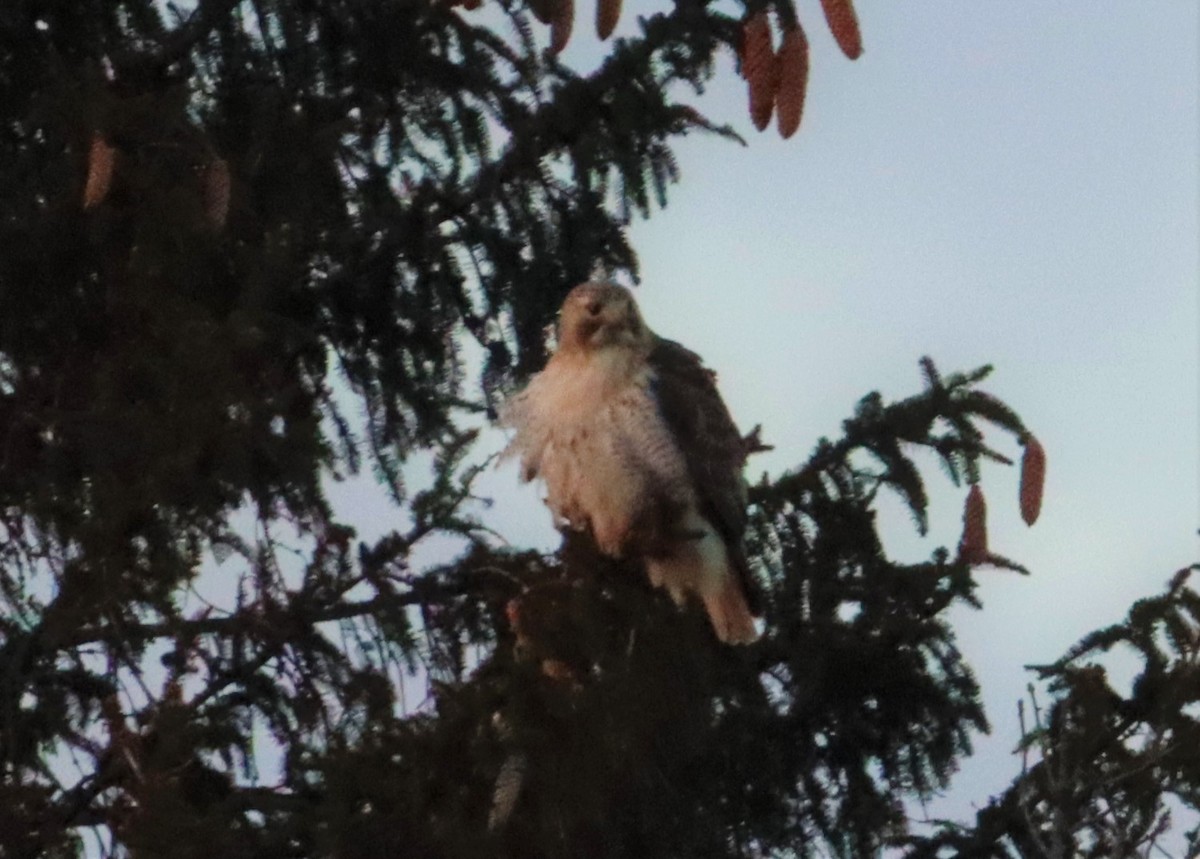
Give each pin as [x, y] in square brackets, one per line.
[730, 613]
[705, 566]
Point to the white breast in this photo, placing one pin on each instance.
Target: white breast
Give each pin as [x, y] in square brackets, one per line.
[592, 431]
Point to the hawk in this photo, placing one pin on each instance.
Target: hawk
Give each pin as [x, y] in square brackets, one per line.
[635, 445]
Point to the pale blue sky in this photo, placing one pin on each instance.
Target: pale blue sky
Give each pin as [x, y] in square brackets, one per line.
[1010, 183]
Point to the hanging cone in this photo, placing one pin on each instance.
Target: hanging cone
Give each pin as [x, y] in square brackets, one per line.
[173, 691]
[101, 158]
[556, 669]
[793, 80]
[973, 548]
[560, 27]
[512, 613]
[512, 610]
[843, 23]
[509, 780]
[216, 192]
[608, 12]
[507, 790]
[760, 66]
[544, 10]
[1033, 479]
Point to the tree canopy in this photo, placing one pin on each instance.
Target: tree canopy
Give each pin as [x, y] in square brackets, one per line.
[248, 247]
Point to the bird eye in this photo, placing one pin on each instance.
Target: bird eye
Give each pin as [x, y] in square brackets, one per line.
[594, 307]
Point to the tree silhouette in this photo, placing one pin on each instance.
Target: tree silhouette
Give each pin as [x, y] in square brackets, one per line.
[253, 246]
[1101, 770]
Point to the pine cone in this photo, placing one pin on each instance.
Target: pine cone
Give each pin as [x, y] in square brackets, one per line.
[101, 158]
[793, 80]
[760, 66]
[173, 691]
[973, 549]
[507, 789]
[216, 192]
[560, 27]
[556, 669]
[608, 12]
[1033, 479]
[512, 610]
[544, 10]
[843, 23]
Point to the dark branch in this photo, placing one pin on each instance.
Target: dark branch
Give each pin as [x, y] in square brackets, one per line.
[251, 618]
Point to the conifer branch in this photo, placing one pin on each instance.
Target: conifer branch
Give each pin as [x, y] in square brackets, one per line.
[250, 619]
[205, 17]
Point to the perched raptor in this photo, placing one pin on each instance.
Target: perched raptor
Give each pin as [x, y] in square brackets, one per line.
[633, 443]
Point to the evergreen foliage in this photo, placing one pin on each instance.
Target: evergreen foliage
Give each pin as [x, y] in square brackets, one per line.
[1102, 770]
[208, 217]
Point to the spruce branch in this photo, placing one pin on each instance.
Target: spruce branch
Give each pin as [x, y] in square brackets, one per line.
[879, 430]
[250, 619]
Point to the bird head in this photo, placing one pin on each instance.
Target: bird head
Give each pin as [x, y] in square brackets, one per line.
[597, 315]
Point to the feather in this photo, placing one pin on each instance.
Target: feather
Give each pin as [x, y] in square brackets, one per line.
[634, 443]
[714, 450]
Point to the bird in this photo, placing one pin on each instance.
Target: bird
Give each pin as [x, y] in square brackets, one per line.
[635, 445]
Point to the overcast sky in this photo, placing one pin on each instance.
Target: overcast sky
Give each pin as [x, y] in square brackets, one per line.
[1009, 183]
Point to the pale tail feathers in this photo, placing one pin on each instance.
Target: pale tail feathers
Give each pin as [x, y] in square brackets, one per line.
[721, 594]
[702, 566]
[730, 614]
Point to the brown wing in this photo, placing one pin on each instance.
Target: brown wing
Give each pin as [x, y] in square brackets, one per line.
[690, 404]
